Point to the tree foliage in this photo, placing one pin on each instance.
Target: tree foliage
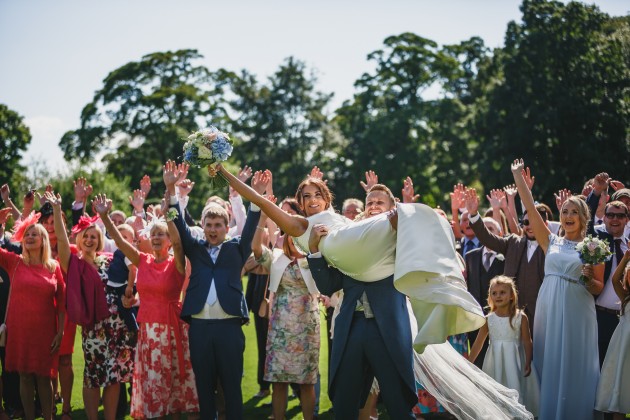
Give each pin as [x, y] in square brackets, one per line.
[14, 139]
[280, 124]
[559, 98]
[141, 112]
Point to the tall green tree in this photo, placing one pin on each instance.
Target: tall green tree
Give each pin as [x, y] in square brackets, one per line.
[392, 128]
[15, 137]
[280, 124]
[141, 112]
[560, 97]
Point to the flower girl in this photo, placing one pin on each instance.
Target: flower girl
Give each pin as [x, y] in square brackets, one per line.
[509, 356]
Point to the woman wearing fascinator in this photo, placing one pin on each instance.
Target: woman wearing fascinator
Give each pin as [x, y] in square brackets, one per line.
[35, 313]
[108, 345]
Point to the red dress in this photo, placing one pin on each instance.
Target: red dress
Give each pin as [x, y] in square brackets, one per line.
[37, 295]
[163, 379]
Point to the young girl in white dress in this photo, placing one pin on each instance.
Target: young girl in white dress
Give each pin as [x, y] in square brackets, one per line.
[509, 356]
[613, 391]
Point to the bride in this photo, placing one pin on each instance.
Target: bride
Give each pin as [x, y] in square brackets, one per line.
[412, 242]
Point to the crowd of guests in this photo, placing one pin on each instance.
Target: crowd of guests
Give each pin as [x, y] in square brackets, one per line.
[159, 300]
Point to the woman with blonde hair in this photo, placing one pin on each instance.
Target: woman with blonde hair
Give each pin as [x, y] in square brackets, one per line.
[35, 313]
[108, 345]
[565, 325]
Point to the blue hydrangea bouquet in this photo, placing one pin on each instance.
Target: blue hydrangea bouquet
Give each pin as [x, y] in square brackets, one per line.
[207, 148]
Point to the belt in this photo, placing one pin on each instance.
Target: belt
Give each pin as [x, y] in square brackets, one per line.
[607, 310]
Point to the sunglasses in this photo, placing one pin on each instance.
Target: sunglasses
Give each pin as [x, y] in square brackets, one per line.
[525, 222]
[619, 216]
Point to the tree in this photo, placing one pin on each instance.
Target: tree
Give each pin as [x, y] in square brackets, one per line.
[394, 130]
[560, 97]
[141, 112]
[280, 125]
[14, 139]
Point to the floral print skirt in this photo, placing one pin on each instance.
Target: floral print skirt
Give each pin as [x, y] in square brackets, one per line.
[293, 340]
[108, 349]
[161, 386]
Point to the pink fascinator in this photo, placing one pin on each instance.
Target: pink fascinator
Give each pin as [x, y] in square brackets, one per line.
[84, 223]
[23, 224]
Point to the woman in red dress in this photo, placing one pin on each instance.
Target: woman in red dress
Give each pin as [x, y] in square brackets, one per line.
[164, 383]
[108, 345]
[66, 373]
[35, 315]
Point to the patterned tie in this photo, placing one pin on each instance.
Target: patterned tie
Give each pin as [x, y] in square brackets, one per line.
[486, 261]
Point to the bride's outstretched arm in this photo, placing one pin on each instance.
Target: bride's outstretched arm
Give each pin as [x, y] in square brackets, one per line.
[292, 225]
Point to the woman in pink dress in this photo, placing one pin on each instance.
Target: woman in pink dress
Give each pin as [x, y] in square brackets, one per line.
[163, 376]
[35, 315]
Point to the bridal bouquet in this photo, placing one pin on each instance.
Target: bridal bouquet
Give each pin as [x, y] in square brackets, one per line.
[593, 250]
[206, 148]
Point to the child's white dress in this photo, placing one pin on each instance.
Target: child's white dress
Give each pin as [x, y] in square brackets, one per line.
[505, 360]
[613, 391]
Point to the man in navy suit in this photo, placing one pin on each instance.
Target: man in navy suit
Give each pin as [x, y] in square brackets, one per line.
[372, 332]
[215, 305]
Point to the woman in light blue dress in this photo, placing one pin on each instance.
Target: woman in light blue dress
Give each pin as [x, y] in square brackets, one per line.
[565, 327]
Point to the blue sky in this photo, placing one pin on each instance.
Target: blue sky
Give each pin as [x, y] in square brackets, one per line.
[55, 54]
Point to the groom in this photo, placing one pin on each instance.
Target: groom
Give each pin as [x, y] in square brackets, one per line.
[372, 331]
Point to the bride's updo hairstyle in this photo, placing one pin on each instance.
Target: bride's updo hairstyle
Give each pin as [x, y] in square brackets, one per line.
[321, 186]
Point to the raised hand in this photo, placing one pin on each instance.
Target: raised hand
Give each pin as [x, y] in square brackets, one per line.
[5, 193]
[317, 173]
[29, 199]
[5, 213]
[101, 204]
[497, 199]
[269, 190]
[137, 200]
[616, 185]
[53, 199]
[244, 174]
[173, 173]
[458, 199]
[408, 192]
[561, 197]
[82, 190]
[529, 179]
[260, 181]
[471, 201]
[42, 198]
[600, 182]
[510, 190]
[184, 187]
[371, 179]
[586, 191]
[145, 185]
[517, 166]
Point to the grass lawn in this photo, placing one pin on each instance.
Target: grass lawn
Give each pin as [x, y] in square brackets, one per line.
[253, 408]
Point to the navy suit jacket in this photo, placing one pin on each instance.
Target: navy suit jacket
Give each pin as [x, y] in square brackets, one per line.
[226, 272]
[390, 312]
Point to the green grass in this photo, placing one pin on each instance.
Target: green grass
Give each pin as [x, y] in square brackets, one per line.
[253, 408]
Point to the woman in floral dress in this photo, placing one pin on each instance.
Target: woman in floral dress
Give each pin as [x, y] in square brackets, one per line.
[165, 383]
[108, 345]
[294, 338]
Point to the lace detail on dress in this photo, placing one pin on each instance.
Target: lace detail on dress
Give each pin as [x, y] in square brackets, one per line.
[500, 329]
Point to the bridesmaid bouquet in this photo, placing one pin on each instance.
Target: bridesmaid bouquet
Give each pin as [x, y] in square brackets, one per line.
[206, 148]
[593, 251]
